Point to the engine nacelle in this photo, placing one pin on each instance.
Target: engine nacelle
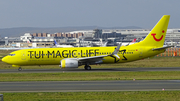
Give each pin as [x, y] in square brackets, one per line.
[69, 63]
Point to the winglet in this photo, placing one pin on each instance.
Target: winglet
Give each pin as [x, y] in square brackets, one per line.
[105, 44]
[116, 51]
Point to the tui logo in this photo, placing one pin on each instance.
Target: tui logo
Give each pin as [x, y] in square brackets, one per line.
[154, 34]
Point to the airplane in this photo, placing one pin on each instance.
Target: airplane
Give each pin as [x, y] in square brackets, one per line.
[105, 44]
[57, 45]
[129, 43]
[134, 40]
[29, 41]
[15, 48]
[77, 56]
[122, 43]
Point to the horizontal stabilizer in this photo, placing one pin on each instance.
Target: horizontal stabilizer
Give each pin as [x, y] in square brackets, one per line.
[164, 47]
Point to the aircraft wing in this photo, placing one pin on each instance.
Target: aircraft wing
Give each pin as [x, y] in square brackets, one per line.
[99, 58]
[164, 47]
[92, 59]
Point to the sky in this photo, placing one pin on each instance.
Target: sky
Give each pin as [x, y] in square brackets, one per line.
[102, 13]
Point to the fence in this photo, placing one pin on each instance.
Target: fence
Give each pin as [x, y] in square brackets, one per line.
[170, 52]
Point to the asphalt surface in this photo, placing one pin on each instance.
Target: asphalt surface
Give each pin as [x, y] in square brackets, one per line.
[86, 86]
[92, 70]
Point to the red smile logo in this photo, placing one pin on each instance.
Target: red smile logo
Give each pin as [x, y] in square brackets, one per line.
[153, 34]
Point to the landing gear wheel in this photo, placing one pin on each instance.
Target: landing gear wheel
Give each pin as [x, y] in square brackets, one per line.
[19, 69]
[87, 67]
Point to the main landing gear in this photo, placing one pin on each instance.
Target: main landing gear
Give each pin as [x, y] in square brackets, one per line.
[87, 67]
[19, 69]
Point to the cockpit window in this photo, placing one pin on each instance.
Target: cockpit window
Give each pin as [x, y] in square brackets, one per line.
[12, 54]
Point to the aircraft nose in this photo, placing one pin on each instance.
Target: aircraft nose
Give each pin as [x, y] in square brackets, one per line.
[5, 59]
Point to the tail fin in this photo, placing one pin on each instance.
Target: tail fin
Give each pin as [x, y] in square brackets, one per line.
[134, 40]
[55, 43]
[28, 41]
[157, 35]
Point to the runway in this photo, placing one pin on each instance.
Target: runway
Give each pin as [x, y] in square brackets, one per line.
[87, 86]
[93, 70]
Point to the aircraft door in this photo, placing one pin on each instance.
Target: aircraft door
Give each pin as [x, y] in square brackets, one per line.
[140, 52]
[23, 55]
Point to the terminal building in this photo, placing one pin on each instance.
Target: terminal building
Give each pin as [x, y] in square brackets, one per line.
[96, 37]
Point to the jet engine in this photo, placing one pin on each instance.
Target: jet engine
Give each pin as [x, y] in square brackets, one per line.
[69, 63]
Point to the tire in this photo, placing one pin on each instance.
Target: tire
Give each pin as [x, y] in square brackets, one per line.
[88, 67]
[19, 69]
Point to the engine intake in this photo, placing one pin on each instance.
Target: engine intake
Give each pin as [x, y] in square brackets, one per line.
[69, 63]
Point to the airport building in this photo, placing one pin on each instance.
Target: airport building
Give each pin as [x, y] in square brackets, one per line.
[96, 37]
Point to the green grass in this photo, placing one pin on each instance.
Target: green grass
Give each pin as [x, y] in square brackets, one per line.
[95, 96]
[91, 76]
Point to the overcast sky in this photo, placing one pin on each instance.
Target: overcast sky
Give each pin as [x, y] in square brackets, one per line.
[102, 13]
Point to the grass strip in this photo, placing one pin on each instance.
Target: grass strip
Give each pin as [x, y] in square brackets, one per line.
[91, 76]
[95, 96]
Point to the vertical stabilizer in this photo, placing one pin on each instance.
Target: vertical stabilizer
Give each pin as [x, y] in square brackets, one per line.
[157, 35]
[55, 43]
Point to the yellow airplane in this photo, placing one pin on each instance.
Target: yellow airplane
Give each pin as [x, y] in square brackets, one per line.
[75, 57]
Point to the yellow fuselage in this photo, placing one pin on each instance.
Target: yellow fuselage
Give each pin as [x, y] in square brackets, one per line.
[53, 56]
